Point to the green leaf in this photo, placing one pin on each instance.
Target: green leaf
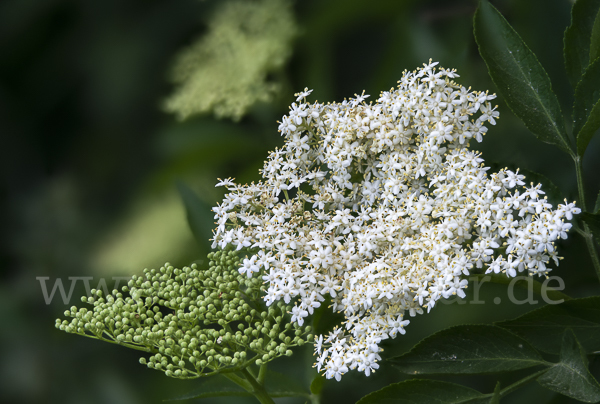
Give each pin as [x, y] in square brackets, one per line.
[216, 386]
[544, 327]
[595, 41]
[597, 207]
[593, 221]
[419, 391]
[469, 349]
[519, 76]
[276, 385]
[316, 386]
[570, 376]
[199, 214]
[586, 110]
[577, 38]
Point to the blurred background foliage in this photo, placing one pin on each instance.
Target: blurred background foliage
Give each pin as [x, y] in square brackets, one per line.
[90, 163]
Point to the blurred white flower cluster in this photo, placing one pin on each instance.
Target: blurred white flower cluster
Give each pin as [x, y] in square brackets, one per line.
[227, 70]
[383, 208]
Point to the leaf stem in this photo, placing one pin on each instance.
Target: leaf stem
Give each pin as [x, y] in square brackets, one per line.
[587, 234]
[580, 187]
[589, 242]
[520, 383]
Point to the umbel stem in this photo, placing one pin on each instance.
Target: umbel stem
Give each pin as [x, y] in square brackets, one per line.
[250, 383]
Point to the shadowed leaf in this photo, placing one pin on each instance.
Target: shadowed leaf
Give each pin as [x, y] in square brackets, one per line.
[519, 76]
[544, 327]
[595, 41]
[570, 376]
[276, 385]
[469, 349]
[422, 392]
[586, 110]
[593, 221]
[316, 386]
[577, 38]
[199, 214]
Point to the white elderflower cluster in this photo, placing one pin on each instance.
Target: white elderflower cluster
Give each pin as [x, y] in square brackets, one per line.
[382, 207]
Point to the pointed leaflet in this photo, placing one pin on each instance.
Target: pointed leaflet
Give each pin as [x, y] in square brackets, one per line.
[469, 349]
[593, 221]
[519, 76]
[422, 392]
[577, 38]
[316, 386]
[586, 110]
[199, 214]
[495, 399]
[544, 327]
[570, 376]
[276, 385]
[595, 41]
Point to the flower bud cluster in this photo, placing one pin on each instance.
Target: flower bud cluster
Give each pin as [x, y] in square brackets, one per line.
[194, 322]
[383, 207]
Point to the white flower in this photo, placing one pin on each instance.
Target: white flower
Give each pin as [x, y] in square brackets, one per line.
[384, 208]
[225, 183]
[298, 315]
[303, 94]
[249, 266]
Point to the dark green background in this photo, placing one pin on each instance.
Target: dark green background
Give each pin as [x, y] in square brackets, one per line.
[83, 141]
